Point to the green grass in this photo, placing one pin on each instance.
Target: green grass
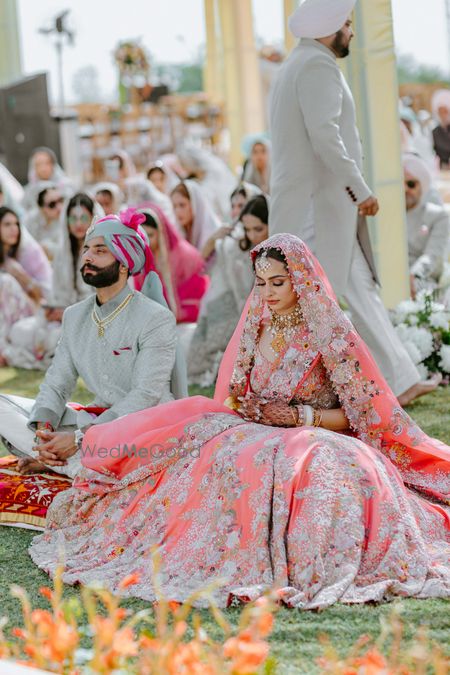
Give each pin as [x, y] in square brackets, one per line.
[295, 638]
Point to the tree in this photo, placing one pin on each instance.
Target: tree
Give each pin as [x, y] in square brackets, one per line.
[409, 70]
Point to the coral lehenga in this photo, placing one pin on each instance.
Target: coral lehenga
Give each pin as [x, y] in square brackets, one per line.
[322, 516]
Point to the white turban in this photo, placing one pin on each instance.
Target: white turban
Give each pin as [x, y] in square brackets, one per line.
[417, 168]
[320, 18]
[440, 99]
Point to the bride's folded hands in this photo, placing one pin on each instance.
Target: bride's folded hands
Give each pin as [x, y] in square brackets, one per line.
[281, 414]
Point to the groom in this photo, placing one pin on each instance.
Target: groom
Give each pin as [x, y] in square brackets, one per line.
[121, 343]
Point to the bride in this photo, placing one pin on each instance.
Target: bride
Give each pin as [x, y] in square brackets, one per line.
[303, 474]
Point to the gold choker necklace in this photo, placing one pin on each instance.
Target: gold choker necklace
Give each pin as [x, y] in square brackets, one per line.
[283, 327]
[101, 323]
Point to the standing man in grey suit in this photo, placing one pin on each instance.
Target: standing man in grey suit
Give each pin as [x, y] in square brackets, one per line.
[317, 179]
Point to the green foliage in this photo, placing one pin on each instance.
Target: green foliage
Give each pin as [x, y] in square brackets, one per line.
[410, 71]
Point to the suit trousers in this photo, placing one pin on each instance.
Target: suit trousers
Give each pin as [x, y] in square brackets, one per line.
[371, 320]
[14, 416]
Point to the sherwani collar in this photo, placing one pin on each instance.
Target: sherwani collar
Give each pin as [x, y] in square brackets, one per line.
[108, 307]
[311, 42]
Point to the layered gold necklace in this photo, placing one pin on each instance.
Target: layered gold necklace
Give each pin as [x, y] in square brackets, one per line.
[283, 328]
[101, 323]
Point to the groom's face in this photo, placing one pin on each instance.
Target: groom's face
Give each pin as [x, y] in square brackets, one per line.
[342, 39]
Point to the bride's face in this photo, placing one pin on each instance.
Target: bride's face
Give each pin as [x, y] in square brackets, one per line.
[275, 285]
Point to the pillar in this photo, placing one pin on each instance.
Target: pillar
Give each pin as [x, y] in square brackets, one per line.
[213, 71]
[242, 79]
[289, 7]
[372, 75]
[10, 53]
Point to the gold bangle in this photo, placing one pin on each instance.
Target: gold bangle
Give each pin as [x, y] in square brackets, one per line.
[317, 420]
[294, 417]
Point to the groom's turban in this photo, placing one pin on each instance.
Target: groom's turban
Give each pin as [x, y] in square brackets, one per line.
[125, 238]
[320, 18]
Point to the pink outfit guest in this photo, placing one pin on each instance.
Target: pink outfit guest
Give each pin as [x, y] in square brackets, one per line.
[179, 265]
[274, 490]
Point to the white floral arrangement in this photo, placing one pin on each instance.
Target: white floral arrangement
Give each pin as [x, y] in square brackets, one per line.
[423, 327]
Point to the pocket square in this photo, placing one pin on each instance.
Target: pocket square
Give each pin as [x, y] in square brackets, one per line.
[117, 351]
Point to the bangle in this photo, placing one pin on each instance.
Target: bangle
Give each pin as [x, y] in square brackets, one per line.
[301, 415]
[295, 415]
[317, 418]
[309, 415]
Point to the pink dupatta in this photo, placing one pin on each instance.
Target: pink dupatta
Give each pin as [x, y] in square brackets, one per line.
[180, 268]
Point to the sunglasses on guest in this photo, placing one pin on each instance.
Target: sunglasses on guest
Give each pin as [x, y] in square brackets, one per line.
[84, 219]
[411, 184]
[54, 203]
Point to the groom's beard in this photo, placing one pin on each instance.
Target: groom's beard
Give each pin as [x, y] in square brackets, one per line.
[339, 47]
[103, 277]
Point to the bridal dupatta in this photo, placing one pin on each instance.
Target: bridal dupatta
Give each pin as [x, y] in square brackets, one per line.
[372, 409]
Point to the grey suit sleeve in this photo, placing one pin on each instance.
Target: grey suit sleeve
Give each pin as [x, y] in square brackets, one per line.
[59, 383]
[152, 368]
[430, 263]
[320, 96]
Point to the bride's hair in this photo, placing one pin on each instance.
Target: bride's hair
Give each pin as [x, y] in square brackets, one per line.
[273, 253]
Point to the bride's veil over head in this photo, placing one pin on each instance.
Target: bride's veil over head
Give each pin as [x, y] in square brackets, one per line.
[373, 412]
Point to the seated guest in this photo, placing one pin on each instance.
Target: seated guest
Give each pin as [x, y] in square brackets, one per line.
[135, 186]
[43, 222]
[68, 284]
[35, 337]
[211, 173]
[240, 196]
[257, 165]
[11, 190]
[44, 167]
[441, 134]
[231, 282]
[121, 343]
[25, 280]
[163, 176]
[180, 266]
[428, 227]
[109, 196]
[195, 217]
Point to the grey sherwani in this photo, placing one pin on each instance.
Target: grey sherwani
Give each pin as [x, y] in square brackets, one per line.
[317, 179]
[128, 369]
[317, 158]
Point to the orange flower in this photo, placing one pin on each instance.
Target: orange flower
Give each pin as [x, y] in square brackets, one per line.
[246, 655]
[130, 580]
[264, 624]
[124, 642]
[374, 663]
[46, 592]
[19, 633]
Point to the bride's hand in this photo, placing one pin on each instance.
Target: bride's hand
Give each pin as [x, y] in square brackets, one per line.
[277, 414]
[250, 407]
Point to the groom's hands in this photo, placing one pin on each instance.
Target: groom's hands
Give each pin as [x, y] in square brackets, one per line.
[55, 447]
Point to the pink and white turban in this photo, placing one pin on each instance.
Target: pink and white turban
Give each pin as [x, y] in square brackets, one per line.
[415, 166]
[320, 18]
[126, 239]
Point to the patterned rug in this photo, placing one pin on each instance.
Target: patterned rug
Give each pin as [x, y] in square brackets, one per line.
[24, 500]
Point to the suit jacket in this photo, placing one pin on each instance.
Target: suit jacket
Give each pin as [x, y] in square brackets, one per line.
[128, 369]
[317, 159]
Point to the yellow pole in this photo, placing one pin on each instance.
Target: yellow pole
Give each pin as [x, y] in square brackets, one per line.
[213, 75]
[243, 97]
[372, 75]
[10, 53]
[289, 7]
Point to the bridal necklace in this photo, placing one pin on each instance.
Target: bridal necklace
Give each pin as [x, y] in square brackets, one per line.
[101, 323]
[283, 328]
